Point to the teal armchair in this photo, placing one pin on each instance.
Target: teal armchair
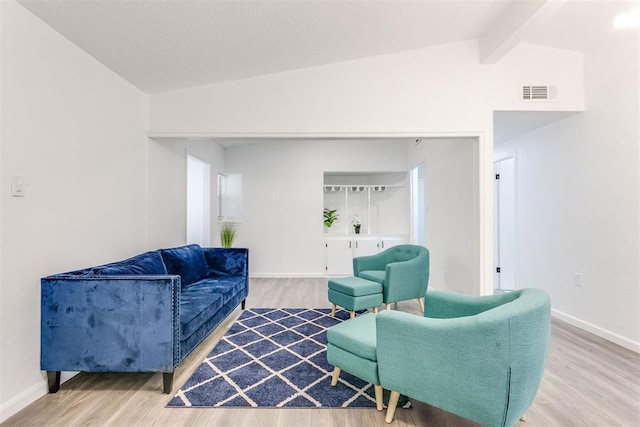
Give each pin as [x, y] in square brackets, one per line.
[403, 272]
[481, 358]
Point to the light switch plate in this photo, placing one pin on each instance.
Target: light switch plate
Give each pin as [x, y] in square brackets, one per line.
[18, 186]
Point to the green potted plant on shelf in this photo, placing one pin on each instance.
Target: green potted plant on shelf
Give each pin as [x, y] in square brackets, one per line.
[227, 234]
[330, 216]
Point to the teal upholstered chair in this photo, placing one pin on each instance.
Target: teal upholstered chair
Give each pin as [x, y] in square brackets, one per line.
[402, 270]
[481, 358]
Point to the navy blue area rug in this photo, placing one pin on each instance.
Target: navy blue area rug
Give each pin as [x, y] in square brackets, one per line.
[274, 357]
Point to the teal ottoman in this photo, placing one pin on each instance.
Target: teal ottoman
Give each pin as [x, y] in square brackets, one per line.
[351, 346]
[354, 293]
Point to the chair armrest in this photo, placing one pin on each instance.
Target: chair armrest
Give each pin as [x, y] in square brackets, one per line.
[446, 305]
[369, 262]
[406, 280]
[110, 323]
[444, 361]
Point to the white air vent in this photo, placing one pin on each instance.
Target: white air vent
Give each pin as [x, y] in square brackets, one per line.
[538, 93]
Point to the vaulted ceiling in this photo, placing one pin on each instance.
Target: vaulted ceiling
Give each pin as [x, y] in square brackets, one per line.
[173, 44]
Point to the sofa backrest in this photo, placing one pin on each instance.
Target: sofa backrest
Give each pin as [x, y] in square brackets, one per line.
[186, 261]
[148, 263]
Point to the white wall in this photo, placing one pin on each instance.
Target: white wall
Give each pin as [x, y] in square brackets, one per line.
[283, 196]
[75, 130]
[167, 189]
[579, 195]
[435, 91]
[451, 211]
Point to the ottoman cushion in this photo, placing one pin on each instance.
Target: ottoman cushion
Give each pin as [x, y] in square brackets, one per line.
[358, 336]
[355, 286]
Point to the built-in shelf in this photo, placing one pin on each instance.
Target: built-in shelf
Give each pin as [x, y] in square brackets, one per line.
[377, 198]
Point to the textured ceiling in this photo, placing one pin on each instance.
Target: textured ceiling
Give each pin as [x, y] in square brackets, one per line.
[161, 45]
[165, 45]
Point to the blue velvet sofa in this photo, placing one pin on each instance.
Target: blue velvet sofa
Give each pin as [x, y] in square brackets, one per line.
[143, 314]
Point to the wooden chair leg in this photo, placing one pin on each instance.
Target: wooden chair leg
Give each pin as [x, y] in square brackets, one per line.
[333, 310]
[375, 310]
[421, 303]
[352, 314]
[378, 391]
[523, 418]
[391, 408]
[335, 376]
[388, 307]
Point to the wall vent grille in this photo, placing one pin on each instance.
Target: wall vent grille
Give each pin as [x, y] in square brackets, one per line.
[538, 93]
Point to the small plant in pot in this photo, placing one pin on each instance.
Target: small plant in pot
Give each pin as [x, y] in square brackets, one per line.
[330, 216]
[356, 223]
[227, 234]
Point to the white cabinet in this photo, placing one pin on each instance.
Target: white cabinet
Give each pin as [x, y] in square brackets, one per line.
[340, 250]
[339, 255]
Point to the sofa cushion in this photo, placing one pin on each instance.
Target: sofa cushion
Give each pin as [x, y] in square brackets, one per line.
[227, 286]
[186, 261]
[148, 263]
[197, 305]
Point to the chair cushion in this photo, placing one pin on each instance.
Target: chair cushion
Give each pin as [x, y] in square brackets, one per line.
[357, 336]
[354, 286]
[148, 263]
[374, 275]
[187, 262]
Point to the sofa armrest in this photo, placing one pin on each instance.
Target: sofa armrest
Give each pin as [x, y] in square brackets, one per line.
[110, 323]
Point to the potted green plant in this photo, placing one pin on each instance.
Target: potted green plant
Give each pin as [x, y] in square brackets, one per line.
[227, 234]
[330, 216]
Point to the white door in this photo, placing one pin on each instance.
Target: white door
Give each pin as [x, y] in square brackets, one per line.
[417, 205]
[505, 225]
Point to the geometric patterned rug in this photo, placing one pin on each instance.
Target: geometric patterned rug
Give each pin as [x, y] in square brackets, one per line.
[274, 357]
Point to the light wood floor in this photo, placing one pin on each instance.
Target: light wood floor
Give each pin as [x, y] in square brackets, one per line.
[588, 382]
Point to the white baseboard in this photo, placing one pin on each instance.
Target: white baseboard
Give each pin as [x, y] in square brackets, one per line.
[27, 397]
[22, 400]
[596, 330]
[287, 275]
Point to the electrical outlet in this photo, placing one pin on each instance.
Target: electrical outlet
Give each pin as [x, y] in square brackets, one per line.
[577, 279]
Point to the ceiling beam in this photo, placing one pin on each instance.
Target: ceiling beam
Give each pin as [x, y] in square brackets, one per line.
[512, 26]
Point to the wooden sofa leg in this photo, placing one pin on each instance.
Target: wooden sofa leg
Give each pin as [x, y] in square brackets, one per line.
[243, 304]
[421, 304]
[53, 378]
[333, 310]
[167, 382]
[523, 418]
[391, 408]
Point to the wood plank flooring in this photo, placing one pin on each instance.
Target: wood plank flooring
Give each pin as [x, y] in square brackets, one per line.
[588, 382]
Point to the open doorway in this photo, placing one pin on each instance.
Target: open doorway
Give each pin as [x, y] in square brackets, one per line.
[198, 201]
